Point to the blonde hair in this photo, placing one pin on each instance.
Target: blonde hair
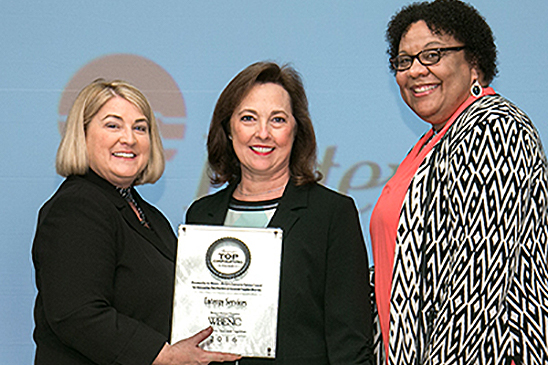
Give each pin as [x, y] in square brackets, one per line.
[72, 157]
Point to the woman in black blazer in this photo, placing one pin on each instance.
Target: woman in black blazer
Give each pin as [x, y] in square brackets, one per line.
[105, 258]
[262, 143]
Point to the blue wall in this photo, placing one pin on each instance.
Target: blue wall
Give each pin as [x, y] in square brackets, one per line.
[363, 127]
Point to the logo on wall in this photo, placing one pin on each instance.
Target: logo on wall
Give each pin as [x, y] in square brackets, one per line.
[156, 83]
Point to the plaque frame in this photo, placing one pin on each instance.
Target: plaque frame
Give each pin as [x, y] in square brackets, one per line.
[228, 278]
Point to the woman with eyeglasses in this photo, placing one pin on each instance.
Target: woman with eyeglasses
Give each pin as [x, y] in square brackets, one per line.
[460, 232]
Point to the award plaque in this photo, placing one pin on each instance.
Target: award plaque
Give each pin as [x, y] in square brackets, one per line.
[228, 278]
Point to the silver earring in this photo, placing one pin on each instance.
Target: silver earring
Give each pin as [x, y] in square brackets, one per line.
[230, 137]
[476, 89]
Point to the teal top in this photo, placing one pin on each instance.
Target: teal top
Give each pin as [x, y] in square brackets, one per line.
[250, 214]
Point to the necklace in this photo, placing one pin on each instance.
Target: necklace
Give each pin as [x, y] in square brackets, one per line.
[239, 188]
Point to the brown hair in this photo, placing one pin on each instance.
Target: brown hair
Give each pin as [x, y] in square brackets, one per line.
[72, 157]
[224, 165]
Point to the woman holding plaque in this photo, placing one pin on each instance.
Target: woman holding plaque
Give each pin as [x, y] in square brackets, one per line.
[459, 234]
[104, 257]
[262, 143]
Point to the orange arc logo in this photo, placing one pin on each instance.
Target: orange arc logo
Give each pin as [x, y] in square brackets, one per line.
[156, 83]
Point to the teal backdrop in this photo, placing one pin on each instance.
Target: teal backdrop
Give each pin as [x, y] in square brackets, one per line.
[182, 53]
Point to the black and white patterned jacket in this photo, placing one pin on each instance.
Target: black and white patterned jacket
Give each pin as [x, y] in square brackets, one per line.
[470, 280]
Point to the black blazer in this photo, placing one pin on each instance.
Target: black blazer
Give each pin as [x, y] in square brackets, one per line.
[324, 314]
[105, 283]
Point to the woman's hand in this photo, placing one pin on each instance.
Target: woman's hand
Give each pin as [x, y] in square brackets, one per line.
[187, 352]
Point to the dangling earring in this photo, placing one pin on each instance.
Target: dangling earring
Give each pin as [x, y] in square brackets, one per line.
[476, 89]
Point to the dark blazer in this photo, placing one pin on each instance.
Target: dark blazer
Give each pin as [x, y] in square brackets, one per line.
[105, 282]
[324, 314]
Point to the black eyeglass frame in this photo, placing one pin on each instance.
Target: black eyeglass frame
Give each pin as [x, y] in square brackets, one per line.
[417, 56]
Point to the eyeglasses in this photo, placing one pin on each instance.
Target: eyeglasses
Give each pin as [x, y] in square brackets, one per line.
[426, 57]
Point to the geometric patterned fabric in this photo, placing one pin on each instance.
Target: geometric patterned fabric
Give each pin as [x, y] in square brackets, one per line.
[470, 278]
[128, 196]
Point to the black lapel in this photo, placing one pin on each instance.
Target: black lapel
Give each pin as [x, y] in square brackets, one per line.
[129, 215]
[294, 200]
[162, 239]
[218, 207]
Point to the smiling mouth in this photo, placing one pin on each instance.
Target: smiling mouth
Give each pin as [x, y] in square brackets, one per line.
[423, 88]
[262, 150]
[124, 154]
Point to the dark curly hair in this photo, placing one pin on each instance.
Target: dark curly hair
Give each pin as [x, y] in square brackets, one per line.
[223, 162]
[451, 17]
